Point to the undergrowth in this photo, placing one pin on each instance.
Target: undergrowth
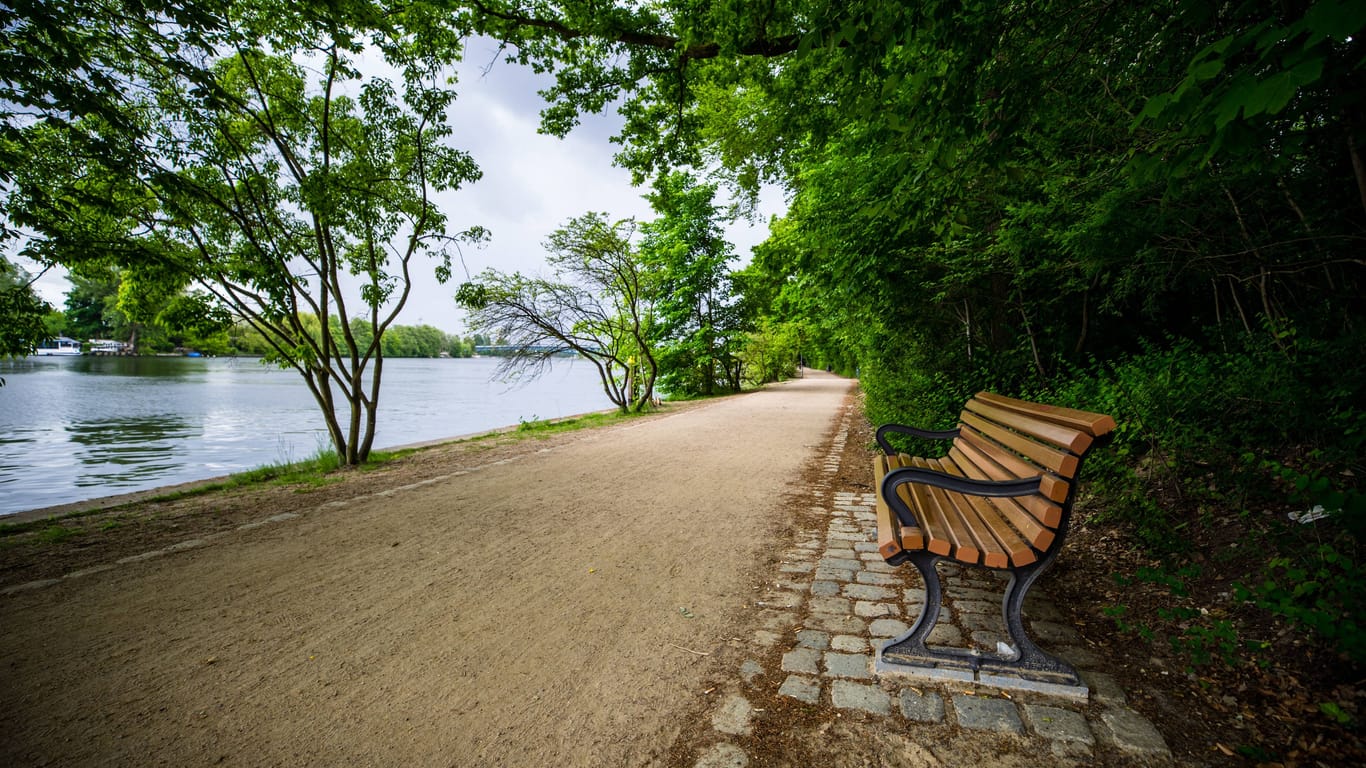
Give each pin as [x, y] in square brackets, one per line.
[1250, 458]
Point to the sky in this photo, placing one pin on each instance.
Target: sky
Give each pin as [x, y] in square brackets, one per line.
[532, 184]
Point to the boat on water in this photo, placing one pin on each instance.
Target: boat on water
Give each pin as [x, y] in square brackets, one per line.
[61, 345]
[110, 347]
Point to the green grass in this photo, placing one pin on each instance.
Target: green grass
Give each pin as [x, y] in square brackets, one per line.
[55, 533]
[546, 427]
[312, 472]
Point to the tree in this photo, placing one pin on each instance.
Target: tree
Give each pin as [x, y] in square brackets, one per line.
[21, 312]
[251, 157]
[699, 326]
[91, 305]
[597, 305]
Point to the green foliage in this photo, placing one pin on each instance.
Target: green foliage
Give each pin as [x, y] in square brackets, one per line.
[22, 313]
[771, 352]
[700, 328]
[56, 533]
[1318, 588]
[1201, 637]
[1194, 424]
[408, 340]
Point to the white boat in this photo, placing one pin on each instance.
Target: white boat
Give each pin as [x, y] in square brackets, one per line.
[107, 347]
[58, 346]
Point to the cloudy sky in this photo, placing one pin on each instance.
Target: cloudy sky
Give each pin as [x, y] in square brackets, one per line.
[531, 185]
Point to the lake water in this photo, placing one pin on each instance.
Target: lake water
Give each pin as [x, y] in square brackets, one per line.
[75, 428]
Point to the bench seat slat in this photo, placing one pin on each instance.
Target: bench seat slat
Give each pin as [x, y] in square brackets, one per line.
[910, 537]
[1037, 532]
[1029, 527]
[942, 539]
[1014, 549]
[888, 527]
[963, 545]
[992, 536]
[1014, 532]
[987, 468]
[892, 536]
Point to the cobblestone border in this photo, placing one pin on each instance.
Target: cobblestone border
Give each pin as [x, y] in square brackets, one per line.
[834, 601]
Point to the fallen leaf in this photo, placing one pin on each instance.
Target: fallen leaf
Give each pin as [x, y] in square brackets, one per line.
[1224, 749]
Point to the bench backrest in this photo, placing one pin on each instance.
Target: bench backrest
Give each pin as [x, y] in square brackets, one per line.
[1001, 438]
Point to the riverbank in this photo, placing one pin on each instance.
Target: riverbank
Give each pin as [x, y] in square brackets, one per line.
[86, 507]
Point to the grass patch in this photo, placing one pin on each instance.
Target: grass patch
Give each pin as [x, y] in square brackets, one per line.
[540, 428]
[312, 472]
[55, 533]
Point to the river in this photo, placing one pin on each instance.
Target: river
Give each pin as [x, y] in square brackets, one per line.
[76, 428]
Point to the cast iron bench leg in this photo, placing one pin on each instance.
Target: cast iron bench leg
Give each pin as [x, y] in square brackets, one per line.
[1028, 659]
[913, 643]
[910, 649]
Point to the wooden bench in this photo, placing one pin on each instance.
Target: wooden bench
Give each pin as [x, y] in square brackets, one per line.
[1001, 499]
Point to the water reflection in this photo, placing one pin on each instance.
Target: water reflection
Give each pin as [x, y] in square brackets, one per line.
[120, 452]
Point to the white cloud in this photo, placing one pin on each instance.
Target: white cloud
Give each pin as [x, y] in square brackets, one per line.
[533, 183]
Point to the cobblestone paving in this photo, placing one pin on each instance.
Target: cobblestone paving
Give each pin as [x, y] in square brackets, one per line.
[834, 601]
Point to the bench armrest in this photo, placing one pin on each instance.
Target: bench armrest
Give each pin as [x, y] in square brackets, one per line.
[928, 434]
[964, 485]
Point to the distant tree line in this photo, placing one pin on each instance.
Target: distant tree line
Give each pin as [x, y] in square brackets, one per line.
[97, 308]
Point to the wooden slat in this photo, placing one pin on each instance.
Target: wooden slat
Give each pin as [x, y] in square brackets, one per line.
[965, 545]
[1015, 509]
[940, 539]
[1074, 440]
[993, 553]
[911, 538]
[1008, 541]
[1039, 535]
[1037, 509]
[1014, 550]
[1095, 424]
[1044, 510]
[968, 447]
[1011, 463]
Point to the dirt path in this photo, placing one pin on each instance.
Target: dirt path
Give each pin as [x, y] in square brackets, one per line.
[547, 610]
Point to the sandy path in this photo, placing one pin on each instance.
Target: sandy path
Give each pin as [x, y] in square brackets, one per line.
[524, 614]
